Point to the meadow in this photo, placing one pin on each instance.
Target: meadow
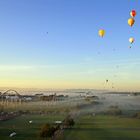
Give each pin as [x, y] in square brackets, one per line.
[87, 127]
[102, 127]
[25, 130]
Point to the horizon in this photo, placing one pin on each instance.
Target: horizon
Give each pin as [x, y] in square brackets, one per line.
[20, 89]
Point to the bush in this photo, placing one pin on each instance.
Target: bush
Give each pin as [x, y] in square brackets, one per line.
[47, 131]
[137, 115]
[113, 110]
[68, 122]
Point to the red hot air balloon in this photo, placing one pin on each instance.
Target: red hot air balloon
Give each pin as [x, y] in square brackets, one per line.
[133, 13]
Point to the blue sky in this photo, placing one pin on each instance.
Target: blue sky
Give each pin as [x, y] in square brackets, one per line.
[71, 54]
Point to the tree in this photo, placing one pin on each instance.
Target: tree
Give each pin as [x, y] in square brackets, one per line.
[47, 131]
[71, 122]
[68, 122]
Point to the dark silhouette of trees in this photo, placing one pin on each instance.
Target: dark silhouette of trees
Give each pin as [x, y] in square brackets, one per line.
[47, 131]
[68, 122]
[51, 131]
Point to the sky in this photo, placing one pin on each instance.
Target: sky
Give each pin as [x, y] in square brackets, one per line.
[55, 44]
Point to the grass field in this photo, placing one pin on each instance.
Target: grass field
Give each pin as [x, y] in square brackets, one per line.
[87, 127]
[24, 130]
[104, 128]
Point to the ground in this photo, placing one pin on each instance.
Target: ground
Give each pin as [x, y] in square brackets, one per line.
[104, 128]
[24, 130]
[100, 127]
[87, 126]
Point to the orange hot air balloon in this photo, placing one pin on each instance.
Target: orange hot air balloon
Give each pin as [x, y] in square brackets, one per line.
[131, 21]
[133, 13]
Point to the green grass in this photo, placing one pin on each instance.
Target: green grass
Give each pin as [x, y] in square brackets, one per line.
[87, 127]
[24, 130]
[104, 128]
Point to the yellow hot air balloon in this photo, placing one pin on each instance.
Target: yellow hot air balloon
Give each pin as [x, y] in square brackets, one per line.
[131, 21]
[131, 40]
[101, 33]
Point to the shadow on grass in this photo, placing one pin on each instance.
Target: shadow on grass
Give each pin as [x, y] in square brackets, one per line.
[97, 134]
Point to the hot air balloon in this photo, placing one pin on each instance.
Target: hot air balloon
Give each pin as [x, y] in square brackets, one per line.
[133, 13]
[131, 21]
[101, 33]
[131, 40]
[106, 81]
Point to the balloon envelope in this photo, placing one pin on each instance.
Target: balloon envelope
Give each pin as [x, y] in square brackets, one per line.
[133, 13]
[131, 21]
[131, 40]
[101, 33]
[106, 81]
